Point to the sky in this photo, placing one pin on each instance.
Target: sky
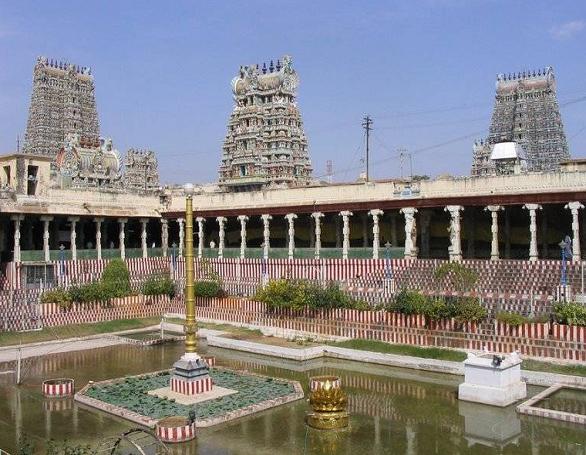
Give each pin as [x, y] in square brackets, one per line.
[424, 70]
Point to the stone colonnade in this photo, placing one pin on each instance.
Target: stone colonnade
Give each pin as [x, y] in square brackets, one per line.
[411, 249]
[411, 216]
[74, 223]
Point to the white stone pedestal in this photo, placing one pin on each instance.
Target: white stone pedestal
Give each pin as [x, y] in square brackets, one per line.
[489, 384]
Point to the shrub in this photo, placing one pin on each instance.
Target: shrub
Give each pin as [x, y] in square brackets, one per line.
[277, 294]
[438, 308]
[159, 285]
[207, 288]
[455, 276]
[409, 302]
[91, 292]
[469, 309]
[116, 279]
[512, 319]
[58, 296]
[570, 313]
[299, 295]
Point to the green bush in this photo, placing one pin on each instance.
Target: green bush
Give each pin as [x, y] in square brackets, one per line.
[469, 309]
[278, 294]
[207, 288]
[58, 296]
[159, 285]
[116, 279]
[301, 294]
[409, 302]
[438, 308]
[512, 319]
[91, 292]
[456, 276]
[570, 313]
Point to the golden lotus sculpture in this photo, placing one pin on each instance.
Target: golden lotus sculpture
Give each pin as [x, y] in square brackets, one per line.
[329, 403]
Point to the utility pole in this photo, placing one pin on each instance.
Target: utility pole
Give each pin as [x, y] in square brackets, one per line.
[367, 125]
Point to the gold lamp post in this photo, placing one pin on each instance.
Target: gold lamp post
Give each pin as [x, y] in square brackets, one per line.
[190, 372]
[190, 327]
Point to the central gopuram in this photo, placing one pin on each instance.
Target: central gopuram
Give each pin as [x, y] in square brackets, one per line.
[191, 374]
[265, 145]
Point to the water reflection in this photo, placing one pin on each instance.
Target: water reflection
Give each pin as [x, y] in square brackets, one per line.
[392, 410]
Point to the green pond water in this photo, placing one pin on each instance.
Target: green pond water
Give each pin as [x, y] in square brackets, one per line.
[393, 411]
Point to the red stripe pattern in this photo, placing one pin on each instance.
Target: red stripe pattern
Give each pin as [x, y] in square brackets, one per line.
[184, 387]
[175, 434]
[55, 388]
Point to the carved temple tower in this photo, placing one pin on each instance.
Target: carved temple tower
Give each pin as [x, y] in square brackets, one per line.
[526, 112]
[265, 144]
[62, 102]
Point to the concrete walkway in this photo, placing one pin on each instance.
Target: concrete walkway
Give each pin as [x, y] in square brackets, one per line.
[10, 353]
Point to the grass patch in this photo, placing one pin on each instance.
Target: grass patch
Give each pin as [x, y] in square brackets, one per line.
[75, 330]
[401, 349]
[547, 367]
[231, 329]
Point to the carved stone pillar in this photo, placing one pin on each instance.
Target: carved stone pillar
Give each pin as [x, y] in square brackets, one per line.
[143, 237]
[73, 236]
[200, 236]
[46, 249]
[574, 207]
[266, 219]
[291, 233]
[99, 222]
[17, 219]
[345, 214]
[494, 229]
[243, 219]
[533, 255]
[164, 236]
[181, 223]
[375, 213]
[221, 234]
[425, 221]
[122, 237]
[317, 221]
[455, 249]
[410, 232]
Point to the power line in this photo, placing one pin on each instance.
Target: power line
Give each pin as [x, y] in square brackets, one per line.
[420, 150]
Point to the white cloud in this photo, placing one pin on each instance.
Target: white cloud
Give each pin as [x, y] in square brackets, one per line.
[567, 30]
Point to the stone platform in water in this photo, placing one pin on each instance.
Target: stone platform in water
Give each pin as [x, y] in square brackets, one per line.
[132, 397]
[167, 394]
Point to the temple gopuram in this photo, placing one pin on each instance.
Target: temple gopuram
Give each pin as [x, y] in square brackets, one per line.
[265, 145]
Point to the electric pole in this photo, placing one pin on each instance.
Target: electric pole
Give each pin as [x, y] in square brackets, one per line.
[367, 125]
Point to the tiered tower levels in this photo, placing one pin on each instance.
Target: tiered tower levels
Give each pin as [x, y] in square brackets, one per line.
[62, 102]
[526, 111]
[265, 144]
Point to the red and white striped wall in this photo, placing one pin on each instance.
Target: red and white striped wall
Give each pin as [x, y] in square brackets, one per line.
[61, 387]
[175, 434]
[184, 387]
